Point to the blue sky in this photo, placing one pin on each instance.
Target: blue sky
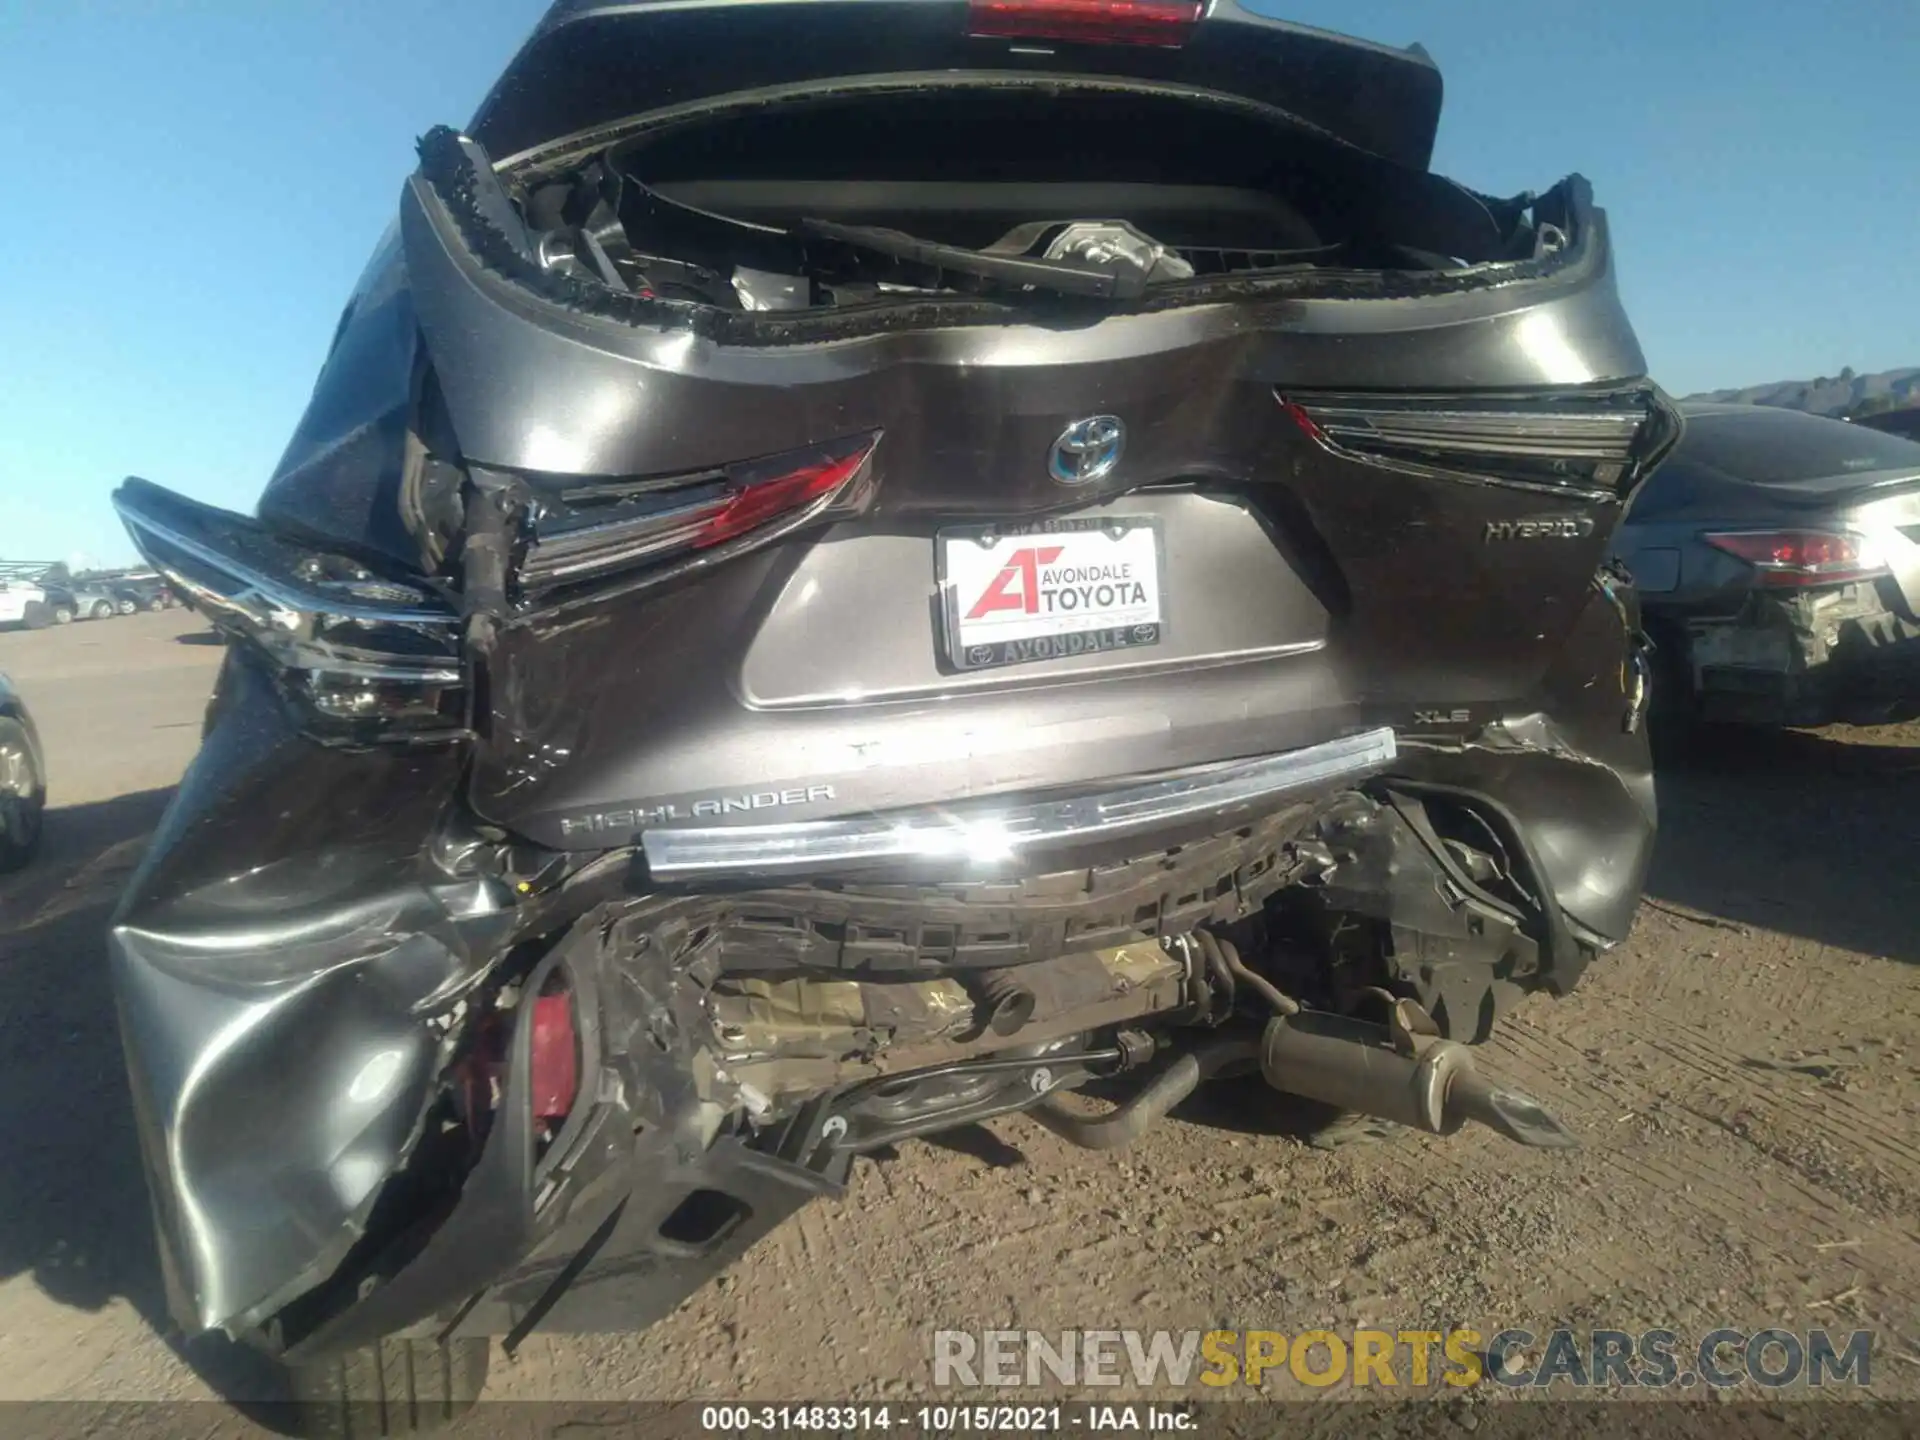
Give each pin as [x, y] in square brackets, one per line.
[193, 185]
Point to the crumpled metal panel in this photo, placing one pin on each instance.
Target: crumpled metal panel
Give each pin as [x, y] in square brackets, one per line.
[272, 1117]
[285, 961]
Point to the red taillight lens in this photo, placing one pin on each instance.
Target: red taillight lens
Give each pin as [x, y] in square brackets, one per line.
[553, 1064]
[760, 500]
[1802, 557]
[1562, 440]
[590, 533]
[1299, 415]
[556, 1058]
[1165, 23]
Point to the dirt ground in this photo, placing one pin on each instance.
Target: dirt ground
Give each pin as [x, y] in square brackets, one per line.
[1742, 1076]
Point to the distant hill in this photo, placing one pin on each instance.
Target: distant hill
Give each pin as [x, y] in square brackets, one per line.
[1843, 394]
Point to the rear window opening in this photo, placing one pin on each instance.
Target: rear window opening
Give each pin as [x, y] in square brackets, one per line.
[1012, 193]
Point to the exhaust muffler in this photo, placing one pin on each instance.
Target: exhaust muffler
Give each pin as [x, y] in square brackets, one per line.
[1402, 1072]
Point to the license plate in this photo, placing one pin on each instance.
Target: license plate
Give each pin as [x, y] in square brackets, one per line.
[1017, 594]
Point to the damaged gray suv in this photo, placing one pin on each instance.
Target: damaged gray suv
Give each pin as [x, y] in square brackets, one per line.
[855, 568]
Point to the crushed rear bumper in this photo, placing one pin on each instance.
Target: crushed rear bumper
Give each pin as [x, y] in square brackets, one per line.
[1830, 656]
[299, 957]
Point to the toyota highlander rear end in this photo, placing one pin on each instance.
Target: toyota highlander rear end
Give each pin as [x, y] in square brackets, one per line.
[852, 565]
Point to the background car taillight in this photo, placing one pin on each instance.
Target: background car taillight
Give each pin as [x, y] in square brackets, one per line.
[589, 532]
[1596, 443]
[1165, 23]
[1802, 557]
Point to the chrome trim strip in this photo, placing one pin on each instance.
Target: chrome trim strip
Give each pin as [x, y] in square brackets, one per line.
[990, 835]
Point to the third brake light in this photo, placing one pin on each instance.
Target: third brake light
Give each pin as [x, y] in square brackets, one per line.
[1165, 23]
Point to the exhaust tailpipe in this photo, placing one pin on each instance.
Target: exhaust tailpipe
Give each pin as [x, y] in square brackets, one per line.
[1403, 1072]
[1150, 1104]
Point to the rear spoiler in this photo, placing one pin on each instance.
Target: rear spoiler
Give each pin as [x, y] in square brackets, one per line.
[588, 60]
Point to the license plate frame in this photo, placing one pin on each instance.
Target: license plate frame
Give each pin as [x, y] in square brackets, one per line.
[959, 653]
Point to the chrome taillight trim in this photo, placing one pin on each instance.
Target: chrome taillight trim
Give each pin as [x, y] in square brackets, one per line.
[595, 549]
[252, 584]
[1504, 432]
[987, 835]
[600, 552]
[1518, 441]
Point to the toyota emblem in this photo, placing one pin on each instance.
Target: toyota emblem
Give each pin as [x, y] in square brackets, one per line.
[1087, 450]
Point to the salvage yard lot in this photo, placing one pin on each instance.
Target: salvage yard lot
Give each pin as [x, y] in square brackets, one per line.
[1742, 1076]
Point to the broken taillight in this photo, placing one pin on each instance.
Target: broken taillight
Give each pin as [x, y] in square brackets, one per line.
[1802, 557]
[1165, 23]
[1558, 441]
[366, 656]
[590, 532]
[555, 1062]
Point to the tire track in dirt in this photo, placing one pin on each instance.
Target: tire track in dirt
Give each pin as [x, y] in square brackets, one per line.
[1790, 1243]
[1789, 1117]
[1548, 1060]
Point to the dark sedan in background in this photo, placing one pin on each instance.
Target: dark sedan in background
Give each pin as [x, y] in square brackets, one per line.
[1777, 556]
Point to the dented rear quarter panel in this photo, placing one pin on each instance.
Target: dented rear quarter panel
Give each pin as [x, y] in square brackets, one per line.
[280, 958]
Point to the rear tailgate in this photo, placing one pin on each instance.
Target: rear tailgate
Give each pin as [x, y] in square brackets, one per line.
[1076, 544]
[1303, 572]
